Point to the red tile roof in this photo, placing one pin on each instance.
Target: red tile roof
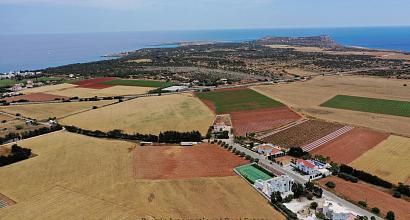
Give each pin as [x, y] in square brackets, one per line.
[306, 163]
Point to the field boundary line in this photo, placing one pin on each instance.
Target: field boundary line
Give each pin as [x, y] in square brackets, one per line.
[290, 125]
[327, 138]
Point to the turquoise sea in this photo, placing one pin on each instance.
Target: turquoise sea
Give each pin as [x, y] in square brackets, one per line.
[31, 52]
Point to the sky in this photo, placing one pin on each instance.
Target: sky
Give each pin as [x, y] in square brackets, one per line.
[76, 16]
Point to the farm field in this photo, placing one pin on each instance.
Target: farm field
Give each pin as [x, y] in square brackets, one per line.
[389, 160]
[363, 104]
[351, 145]
[104, 92]
[35, 97]
[48, 89]
[306, 98]
[254, 121]
[374, 196]
[16, 126]
[72, 171]
[252, 173]
[139, 83]
[58, 110]
[148, 115]
[95, 83]
[7, 82]
[233, 100]
[302, 134]
[204, 160]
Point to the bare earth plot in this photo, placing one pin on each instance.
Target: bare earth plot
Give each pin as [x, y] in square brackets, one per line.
[78, 177]
[45, 111]
[302, 134]
[204, 160]
[149, 115]
[389, 160]
[351, 145]
[306, 97]
[262, 119]
[374, 196]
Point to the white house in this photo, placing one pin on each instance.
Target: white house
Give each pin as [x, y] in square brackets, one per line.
[312, 168]
[222, 123]
[187, 144]
[334, 211]
[282, 184]
[268, 150]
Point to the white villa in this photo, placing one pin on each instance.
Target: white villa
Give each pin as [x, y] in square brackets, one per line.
[268, 150]
[282, 184]
[313, 168]
[334, 211]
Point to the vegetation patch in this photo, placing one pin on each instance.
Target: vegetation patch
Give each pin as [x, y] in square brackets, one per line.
[234, 100]
[142, 83]
[363, 104]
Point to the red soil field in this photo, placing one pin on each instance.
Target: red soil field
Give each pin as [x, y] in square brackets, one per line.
[174, 162]
[209, 104]
[262, 119]
[35, 97]
[351, 145]
[374, 196]
[95, 83]
[302, 134]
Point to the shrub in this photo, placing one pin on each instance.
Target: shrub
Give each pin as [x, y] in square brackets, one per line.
[397, 194]
[288, 199]
[313, 205]
[375, 210]
[95, 107]
[362, 204]
[19, 127]
[331, 184]
[390, 215]
[348, 177]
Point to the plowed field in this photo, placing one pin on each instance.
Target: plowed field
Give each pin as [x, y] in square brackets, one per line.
[302, 134]
[372, 195]
[261, 120]
[95, 83]
[351, 145]
[204, 160]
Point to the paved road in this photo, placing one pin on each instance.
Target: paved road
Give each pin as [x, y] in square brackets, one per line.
[300, 179]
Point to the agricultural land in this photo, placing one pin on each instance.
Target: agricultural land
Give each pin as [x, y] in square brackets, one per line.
[306, 98]
[91, 177]
[148, 115]
[140, 83]
[389, 160]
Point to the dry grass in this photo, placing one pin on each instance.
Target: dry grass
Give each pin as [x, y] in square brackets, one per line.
[45, 111]
[111, 91]
[77, 177]
[48, 89]
[305, 97]
[181, 112]
[389, 160]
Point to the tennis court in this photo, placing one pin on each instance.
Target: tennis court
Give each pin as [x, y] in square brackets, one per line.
[252, 173]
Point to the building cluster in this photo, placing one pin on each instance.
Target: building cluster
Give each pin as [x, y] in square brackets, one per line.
[334, 211]
[12, 74]
[314, 169]
[282, 184]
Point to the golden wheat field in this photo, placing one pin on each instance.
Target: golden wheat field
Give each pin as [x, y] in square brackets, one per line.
[48, 89]
[79, 177]
[58, 110]
[110, 91]
[149, 115]
[389, 160]
[305, 97]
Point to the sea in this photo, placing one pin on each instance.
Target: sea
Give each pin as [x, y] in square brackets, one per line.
[38, 51]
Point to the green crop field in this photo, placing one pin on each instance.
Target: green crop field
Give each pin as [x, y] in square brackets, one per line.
[363, 104]
[252, 173]
[7, 82]
[141, 83]
[226, 101]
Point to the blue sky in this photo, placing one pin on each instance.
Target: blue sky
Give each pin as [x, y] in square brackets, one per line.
[66, 16]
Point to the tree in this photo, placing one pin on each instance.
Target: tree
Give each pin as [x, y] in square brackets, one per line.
[297, 190]
[309, 186]
[313, 205]
[390, 215]
[397, 194]
[331, 184]
[362, 204]
[375, 210]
